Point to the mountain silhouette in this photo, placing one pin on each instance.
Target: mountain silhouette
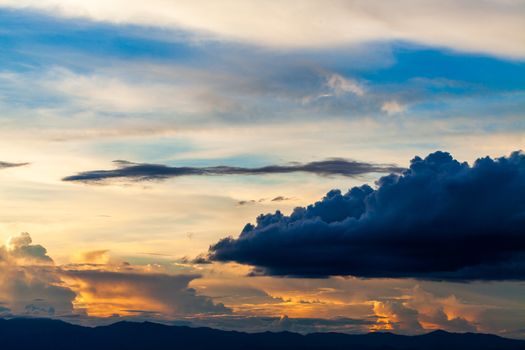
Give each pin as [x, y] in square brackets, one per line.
[49, 334]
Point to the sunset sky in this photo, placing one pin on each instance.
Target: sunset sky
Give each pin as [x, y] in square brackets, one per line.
[138, 139]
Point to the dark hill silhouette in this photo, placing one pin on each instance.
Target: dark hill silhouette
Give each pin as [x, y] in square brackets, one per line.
[48, 334]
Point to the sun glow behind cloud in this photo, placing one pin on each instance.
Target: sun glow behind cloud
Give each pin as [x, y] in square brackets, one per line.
[223, 296]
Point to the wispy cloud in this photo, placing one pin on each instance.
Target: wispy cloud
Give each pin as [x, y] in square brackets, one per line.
[458, 25]
[341, 85]
[392, 107]
[144, 171]
[4, 165]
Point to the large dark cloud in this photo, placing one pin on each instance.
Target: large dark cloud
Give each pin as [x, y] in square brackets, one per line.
[136, 171]
[440, 219]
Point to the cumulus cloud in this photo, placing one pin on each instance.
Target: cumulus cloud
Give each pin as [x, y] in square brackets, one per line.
[29, 284]
[335, 86]
[19, 248]
[142, 171]
[341, 85]
[397, 316]
[462, 25]
[168, 295]
[35, 291]
[440, 219]
[239, 295]
[392, 107]
[421, 308]
[443, 313]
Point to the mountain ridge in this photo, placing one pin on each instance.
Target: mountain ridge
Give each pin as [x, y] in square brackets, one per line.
[53, 334]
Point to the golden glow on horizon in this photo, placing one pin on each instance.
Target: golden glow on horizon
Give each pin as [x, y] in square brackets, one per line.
[107, 299]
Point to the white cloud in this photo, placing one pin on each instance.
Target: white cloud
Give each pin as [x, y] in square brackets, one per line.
[490, 26]
[341, 85]
[15, 242]
[393, 107]
[128, 91]
[28, 282]
[20, 250]
[109, 93]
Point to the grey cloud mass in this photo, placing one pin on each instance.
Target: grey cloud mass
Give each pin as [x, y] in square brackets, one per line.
[170, 291]
[145, 172]
[5, 165]
[440, 219]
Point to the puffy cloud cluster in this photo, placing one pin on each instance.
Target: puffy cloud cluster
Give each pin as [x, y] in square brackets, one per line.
[130, 293]
[440, 219]
[29, 283]
[341, 85]
[19, 249]
[420, 311]
[392, 107]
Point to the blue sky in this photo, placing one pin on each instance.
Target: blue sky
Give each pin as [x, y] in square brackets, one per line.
[256, 84]
[244, 83]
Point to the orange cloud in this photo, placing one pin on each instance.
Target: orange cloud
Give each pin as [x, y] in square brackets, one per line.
[106, 293]
[93, 257]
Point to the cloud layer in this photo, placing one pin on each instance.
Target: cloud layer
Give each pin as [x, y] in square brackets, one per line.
[141, 172]
[132, 292]
[29, 285]
[466, 25]
[20, 249]
[32, 285]
[440, 219]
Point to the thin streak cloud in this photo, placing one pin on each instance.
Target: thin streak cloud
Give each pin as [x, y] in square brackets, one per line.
[5, 165]
[146, 172]
[470, 26]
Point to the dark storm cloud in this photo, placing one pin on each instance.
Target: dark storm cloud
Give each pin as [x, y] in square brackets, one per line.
[4, 165]
[141, 172]
[440, 219]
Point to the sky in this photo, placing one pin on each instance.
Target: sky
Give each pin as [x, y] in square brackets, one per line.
[347, 166]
